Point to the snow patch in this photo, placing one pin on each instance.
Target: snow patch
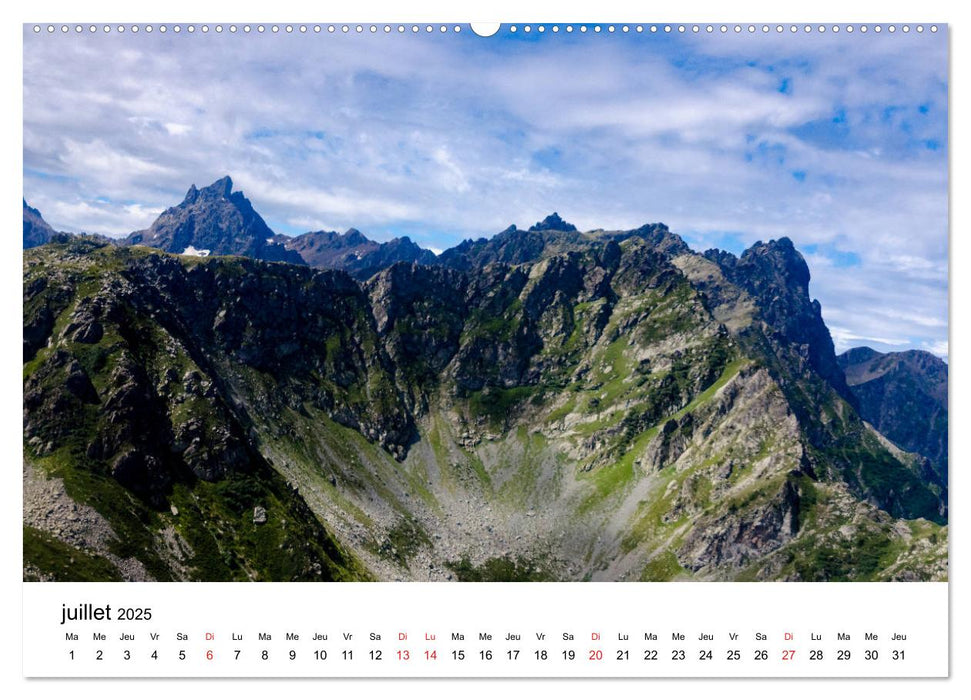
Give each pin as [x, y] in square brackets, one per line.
[192, 250]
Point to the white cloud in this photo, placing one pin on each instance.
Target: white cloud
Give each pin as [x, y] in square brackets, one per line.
[177, 129]
[445, 138]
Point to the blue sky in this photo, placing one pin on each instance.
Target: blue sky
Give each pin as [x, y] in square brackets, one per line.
[837, 141]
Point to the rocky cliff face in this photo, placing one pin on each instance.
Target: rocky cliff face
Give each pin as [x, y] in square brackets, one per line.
[904, 396]
[353, 252]
[36, 230]
[542, 404]
[214, 221]
[776, 277]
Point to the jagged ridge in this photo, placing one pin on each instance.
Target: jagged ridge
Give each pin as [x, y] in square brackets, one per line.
[654, 413]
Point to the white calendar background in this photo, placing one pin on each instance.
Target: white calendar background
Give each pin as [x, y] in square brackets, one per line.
[583, 630]
[930, 617]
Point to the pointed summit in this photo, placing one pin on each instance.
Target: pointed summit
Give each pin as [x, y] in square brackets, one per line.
[217, 220]
[553, 222]
[222, 187]
[353, 237]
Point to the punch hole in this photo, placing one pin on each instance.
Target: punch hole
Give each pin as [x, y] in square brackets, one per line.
[484, 29]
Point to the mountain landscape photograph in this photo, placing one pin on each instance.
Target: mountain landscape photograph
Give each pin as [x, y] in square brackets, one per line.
[428, 306]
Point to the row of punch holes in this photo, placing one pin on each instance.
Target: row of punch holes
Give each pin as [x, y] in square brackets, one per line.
[513, 28]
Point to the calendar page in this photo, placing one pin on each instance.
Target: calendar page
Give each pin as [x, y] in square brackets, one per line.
[512, 350]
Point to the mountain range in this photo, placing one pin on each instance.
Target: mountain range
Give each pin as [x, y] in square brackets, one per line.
[541, 404]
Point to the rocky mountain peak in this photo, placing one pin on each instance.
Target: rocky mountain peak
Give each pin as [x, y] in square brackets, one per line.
[216, 220]
[553, 222]
[777, 277]
[659, 236]
[904, 396]
[36, 230]
[778, 260]
[220, 189]
[353, 237]
[856, 356]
